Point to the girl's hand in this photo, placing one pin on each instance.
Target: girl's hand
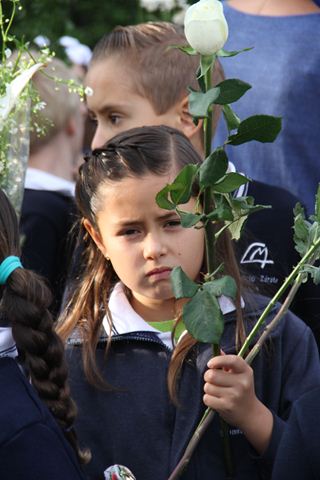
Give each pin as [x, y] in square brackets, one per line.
[229, 390]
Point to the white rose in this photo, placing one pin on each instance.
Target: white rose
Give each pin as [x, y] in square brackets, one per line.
[205, 26]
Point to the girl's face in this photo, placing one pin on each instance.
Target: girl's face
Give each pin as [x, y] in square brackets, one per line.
[144, 242]
[115, 105]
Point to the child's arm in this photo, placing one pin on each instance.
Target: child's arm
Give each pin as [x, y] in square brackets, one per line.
[229, 389]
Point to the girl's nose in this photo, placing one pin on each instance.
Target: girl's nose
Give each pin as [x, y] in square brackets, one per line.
[154, 247]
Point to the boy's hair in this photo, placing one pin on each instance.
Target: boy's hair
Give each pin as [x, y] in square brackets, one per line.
[133, 153]
[160, 73]
[24, 302]
[60, 103]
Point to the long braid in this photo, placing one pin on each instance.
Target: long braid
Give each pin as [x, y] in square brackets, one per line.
[25, 301]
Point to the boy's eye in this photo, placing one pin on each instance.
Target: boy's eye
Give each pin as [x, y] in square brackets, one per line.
[92, 117]
[114, 118]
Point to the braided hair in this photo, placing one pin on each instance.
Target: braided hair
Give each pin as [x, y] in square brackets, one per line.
[24, 302]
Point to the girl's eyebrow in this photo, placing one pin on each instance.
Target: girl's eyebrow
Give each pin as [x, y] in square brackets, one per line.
[166, 216]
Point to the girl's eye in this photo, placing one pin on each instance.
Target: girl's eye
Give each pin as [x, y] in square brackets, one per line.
[129, 232]
[173, 223]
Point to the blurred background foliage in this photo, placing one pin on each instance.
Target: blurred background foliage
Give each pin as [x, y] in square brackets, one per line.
[87, 20]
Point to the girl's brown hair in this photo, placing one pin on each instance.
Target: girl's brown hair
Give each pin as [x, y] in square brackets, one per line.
[24, 302]
[137, 152]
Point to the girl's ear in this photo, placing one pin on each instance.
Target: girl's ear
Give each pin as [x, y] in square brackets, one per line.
[190, 130]
[95, 235]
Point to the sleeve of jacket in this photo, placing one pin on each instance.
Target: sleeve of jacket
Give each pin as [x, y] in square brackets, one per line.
[38, 452]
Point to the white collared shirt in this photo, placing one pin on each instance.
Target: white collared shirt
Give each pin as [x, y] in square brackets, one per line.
[7, 344]
[39, 180]
[126, 320]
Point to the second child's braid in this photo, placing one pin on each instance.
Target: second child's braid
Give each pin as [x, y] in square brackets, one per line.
[25, 301]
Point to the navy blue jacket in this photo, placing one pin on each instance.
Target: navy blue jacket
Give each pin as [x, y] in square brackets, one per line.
[298, 454]
[32, 446]
[135, 423]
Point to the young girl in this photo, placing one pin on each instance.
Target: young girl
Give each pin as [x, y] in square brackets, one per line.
[122, 314]
[34, 443]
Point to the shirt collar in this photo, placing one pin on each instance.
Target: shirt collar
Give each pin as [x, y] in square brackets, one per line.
[39, 180]
[126, 320]
[7, 344]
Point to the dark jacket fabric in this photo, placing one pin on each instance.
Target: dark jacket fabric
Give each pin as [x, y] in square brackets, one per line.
[135, 423]
[32, 446]
[46, 221]
[267, 254]
[298, 454]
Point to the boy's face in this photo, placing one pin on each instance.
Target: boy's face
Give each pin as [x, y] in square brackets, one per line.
[115, 105]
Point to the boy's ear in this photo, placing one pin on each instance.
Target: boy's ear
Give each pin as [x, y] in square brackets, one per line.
[70, 126]
[190, 130]
[96, 237]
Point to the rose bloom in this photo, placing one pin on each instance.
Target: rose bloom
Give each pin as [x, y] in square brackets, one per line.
[205, 26]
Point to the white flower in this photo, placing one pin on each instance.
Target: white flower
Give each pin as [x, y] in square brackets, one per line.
[13, 90]
[7, 53]
[88, 91]
[205, 26]
[154, 5]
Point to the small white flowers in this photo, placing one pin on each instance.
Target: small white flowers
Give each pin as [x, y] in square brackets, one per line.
[162, 5]
[205, 26]
[88, 91]
[13, 90]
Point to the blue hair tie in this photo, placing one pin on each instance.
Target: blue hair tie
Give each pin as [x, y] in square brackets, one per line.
[8, 265]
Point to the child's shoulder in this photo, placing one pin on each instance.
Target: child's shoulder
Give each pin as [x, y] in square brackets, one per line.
[20, 405]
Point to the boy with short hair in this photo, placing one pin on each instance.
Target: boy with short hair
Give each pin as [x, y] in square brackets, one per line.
[138, 79]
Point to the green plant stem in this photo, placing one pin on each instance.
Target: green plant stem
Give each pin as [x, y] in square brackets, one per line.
[208, 206]
[278, 295]
[209, 414]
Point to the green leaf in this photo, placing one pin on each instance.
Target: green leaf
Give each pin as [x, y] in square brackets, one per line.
[262, 128]
[190, 219]
[317, 206]
[213, 168]
[200, 102]
[222, 211]
[182, 285]
[222, 286]
[185, 49]
[203, 318]
[232, 120]
[314, 272]
[206, 62]
[235, 228]
[225, 53]
[162, 199]
[231, 90]
[231, 182]
[181, 187]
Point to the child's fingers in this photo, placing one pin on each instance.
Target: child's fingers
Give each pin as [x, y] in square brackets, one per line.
[230, 362]
[220, 377]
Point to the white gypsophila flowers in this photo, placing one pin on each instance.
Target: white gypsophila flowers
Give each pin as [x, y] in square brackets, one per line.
[205, 26]
[154, 5]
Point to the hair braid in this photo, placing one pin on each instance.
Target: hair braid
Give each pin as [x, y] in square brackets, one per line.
[24, 302]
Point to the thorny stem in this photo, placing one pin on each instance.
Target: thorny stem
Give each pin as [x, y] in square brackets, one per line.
[209, 414]
[278, 295]
[208, 205]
